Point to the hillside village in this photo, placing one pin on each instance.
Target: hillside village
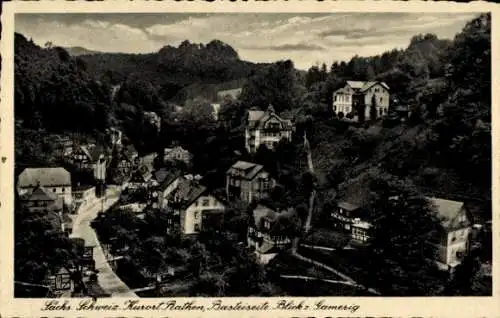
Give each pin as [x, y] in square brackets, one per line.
[343, 185]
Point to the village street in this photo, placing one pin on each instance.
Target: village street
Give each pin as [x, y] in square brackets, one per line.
[107, 278]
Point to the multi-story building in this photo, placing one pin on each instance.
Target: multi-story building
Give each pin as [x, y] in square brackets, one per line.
[343, 216]
[177, 154]
[44, 201]
[264, 236]
[54, 180]
[266, 128]
[248, 181]
[453, 241]
[189, 202]
[358, 96]
[83, 194]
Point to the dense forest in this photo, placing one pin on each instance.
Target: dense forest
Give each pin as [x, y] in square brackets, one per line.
[443, 149]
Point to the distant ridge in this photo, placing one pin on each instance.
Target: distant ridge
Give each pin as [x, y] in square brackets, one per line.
[78, 50]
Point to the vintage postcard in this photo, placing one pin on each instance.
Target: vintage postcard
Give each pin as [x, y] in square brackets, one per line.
[281, 159]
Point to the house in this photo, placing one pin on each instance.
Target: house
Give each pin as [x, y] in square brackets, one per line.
[360, 231]
[232, 94]
[140, 177]
[126, 160]
[165, 187]
[55, 180]
[153, 119]
[343, 216]
[266, 127]
[265, 235]
[147, 160]
[115, 136]
[86, 156]
[44, 201]
[83, 194]
[356, 99]
[188, 202]
[248, 181]
[453, 241]
[222, 96]
[177, 154]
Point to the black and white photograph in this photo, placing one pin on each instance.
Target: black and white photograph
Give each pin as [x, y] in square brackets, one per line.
[328, 154]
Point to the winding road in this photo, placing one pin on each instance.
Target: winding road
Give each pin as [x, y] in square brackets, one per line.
[106, 277]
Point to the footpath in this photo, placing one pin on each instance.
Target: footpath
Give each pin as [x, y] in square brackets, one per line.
[106, 277]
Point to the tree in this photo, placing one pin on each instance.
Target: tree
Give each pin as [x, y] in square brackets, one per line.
[400, 253]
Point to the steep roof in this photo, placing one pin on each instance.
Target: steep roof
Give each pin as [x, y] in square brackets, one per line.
[364, 85]
[249, 169]
[255, 115]
[258, 118]
[160, 174]
[39, 194]
[447, 210]
[233, 93]
[142, 174]
[187, 192]
[168, 179]
[347, 206]
[46, 177]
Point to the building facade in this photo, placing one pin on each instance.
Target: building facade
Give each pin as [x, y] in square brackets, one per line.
[177, 154]
[358, 95]
[55, 180]
[453, 242]
[263, 237]
[189, 202]
[267, 128]
[44, 201]
[248, 182]
[343, 216]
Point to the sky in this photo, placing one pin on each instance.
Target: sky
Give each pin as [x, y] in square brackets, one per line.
[306, 39]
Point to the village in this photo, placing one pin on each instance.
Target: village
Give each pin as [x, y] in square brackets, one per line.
[160, 188]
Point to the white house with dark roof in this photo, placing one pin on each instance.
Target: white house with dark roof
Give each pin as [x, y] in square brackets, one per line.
[266, 127]
[266, 235]
[454, 240]
[248, 181]
[54, 180]
[356, 93]
[189, 203]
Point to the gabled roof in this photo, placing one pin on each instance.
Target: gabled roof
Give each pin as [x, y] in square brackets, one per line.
[46, 177]
[233, 93]
[168, 179]
[187, 192]
[264, 212]
[364, 85]
[142, 174]
[257, 118]
[255, 115]
[347, 206]
[248, 169]
[447, 210]
[39, 194]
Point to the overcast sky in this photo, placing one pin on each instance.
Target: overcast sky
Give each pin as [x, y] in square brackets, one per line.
[306, 39]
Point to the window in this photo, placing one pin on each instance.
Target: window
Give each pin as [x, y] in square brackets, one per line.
[205, 202]
[54, 190]
[196, 227]
[381, 99]
[195, 215]
[62, 190]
